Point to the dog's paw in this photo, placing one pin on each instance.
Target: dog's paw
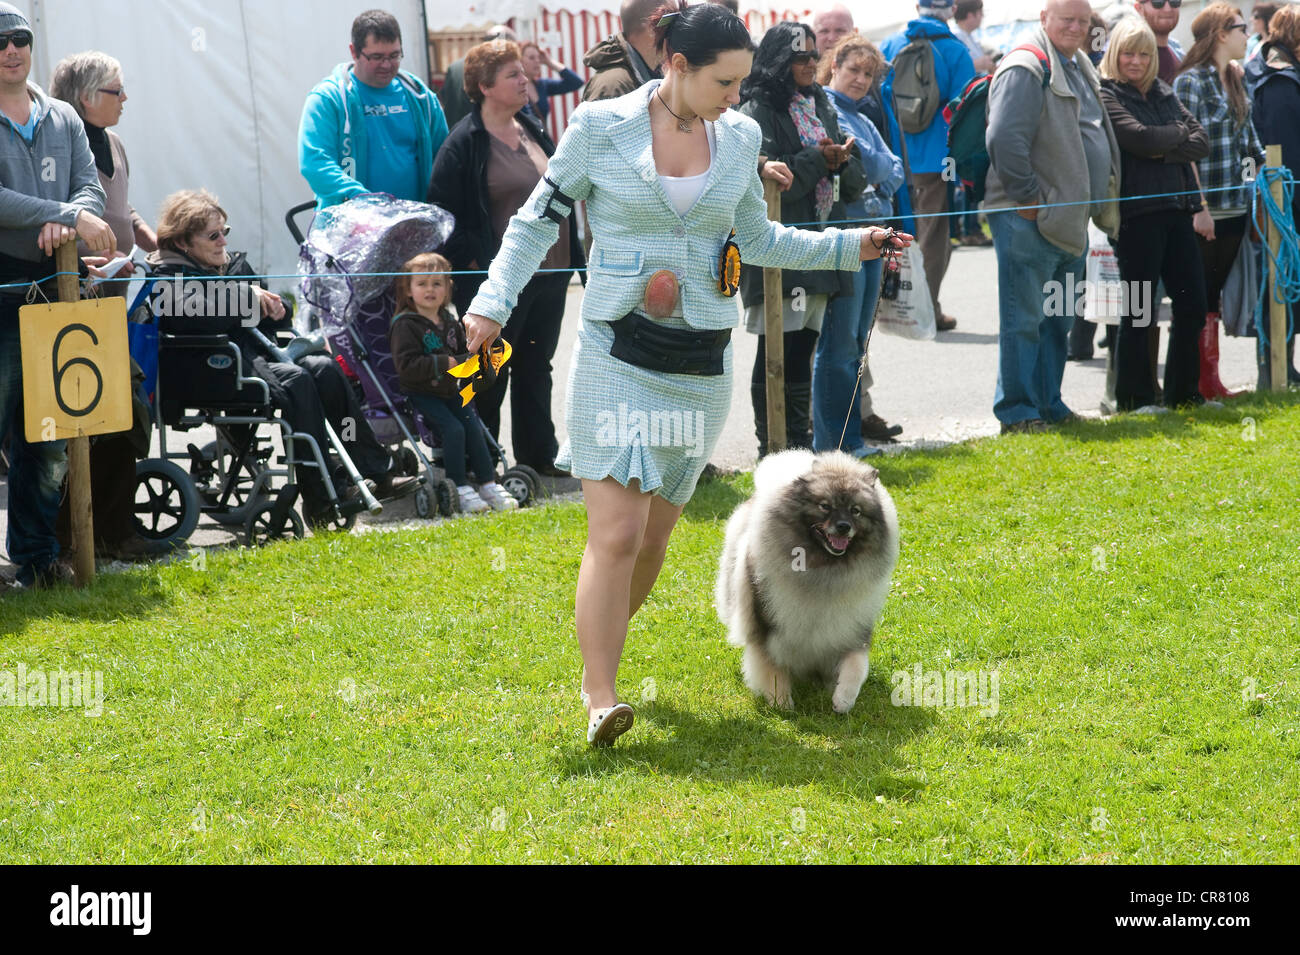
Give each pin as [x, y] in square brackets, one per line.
[842, 702]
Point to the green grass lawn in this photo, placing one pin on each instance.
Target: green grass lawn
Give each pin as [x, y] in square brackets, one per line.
[413, 696]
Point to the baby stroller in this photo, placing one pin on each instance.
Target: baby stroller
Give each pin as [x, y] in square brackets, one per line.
[375, 233]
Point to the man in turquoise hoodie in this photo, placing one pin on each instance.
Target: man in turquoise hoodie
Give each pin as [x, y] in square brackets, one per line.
[370, 126]
[926, 151]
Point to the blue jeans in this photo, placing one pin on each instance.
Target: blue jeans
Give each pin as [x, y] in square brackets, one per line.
[1031, 342]
[461, 432]
[835, 393]
[36, 470]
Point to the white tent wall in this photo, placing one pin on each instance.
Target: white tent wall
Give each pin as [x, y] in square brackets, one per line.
[216, 89]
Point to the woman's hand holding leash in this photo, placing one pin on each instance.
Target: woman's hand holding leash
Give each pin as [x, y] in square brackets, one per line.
[876, 242]
[480, 331]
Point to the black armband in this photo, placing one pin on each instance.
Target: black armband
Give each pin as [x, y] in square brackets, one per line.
[556, 206]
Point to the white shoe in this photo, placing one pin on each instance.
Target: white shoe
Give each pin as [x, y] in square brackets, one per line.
[470, 502]
[497, 497]
[605, 726]
[1151, 409]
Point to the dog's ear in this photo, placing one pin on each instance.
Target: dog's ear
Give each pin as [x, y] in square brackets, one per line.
[870, 477]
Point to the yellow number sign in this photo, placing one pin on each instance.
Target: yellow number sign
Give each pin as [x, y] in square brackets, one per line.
[76, 369]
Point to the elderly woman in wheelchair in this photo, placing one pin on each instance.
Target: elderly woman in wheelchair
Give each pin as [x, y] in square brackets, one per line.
[203, 289]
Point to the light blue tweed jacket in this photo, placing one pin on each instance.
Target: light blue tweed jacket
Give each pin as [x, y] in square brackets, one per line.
[606, 158]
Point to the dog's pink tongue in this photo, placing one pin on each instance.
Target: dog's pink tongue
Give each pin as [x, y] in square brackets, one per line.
[839, 543]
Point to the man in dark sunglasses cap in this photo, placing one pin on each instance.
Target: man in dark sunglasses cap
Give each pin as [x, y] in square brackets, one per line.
[50, 195]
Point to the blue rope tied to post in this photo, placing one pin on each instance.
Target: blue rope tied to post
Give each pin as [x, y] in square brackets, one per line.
[1286, 261]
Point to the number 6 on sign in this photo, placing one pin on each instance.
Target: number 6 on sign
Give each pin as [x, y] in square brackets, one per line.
[76, 372]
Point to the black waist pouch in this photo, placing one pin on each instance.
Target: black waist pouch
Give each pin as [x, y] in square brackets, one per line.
[677, 351]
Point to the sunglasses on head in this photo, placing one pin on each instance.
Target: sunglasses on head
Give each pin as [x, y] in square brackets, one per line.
[19, 40]
[1160, 4]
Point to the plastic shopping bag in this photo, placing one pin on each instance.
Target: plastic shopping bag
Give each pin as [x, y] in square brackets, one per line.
[1104, 300]
[911, 313]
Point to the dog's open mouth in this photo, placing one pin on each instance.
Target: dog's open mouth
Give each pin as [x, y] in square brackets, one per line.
[835, 544]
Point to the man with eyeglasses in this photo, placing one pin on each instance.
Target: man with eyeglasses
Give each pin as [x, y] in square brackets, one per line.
[370, 126]
[1162, 16]
[49, 194]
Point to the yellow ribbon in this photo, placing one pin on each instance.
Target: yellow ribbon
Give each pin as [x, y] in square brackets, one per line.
[471, 369]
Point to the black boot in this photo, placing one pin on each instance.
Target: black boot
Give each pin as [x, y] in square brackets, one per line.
[758, 396]
[798, 414]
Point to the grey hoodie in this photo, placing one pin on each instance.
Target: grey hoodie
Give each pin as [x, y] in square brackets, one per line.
[51, 180]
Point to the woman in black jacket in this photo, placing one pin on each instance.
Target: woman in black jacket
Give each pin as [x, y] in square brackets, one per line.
[484, 172]
[800, 129]
[1158, 140]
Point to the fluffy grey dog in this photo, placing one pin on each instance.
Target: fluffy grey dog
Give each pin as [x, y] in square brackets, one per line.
[805, 572]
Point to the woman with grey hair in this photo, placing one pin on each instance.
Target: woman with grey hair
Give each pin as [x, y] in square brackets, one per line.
[92, 83]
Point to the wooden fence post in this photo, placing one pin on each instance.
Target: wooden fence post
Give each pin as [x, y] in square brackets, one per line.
[83, 530]
[1276, 310]
[774, 346]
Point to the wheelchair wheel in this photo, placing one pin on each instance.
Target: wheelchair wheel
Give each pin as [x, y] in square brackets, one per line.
[424, 503]
[448, 498]
[167, 506]
[258, 531]
[222, 458]
[535, 479]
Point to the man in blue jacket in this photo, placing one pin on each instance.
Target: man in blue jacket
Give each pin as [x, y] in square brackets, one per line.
[370, 126]
[927, 150]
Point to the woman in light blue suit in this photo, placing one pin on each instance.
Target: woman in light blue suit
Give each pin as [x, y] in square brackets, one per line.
[667, 171]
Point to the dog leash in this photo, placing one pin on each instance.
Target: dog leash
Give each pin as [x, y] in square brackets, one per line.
[888, 273]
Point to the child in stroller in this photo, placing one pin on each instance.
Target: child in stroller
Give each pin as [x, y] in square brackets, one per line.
[427, 339]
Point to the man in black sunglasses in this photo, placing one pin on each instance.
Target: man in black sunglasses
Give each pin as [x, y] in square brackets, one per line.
[1162, 17]
[49, 194]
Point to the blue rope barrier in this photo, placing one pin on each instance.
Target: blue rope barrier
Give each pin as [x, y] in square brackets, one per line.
[1276, 174]
[1286, 261]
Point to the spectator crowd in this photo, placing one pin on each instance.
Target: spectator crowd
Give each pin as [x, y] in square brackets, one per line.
[1090, 122]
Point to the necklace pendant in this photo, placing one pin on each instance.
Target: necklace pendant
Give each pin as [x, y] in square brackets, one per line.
[683, 126]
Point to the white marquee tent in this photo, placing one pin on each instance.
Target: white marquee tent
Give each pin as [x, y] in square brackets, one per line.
[215, 91]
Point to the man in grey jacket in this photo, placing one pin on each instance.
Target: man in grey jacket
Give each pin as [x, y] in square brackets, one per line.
[49, 194]
[1054, 160]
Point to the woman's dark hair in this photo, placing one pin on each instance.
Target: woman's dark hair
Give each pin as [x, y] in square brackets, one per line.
[698, 32]
[770, 81]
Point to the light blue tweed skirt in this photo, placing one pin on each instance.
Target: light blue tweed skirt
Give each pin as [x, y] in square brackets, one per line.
[630, 423]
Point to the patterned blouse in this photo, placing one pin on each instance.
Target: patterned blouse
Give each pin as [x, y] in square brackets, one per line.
[1236, 154]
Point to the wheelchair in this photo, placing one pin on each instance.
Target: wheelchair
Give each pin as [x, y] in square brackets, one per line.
[236, 480]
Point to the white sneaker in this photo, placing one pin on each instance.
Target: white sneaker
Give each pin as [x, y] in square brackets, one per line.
[470, 502]
[1151, 409]
[497, 497]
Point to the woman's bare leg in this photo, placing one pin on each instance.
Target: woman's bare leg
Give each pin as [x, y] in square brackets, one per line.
[654, 546]
[616, 524]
